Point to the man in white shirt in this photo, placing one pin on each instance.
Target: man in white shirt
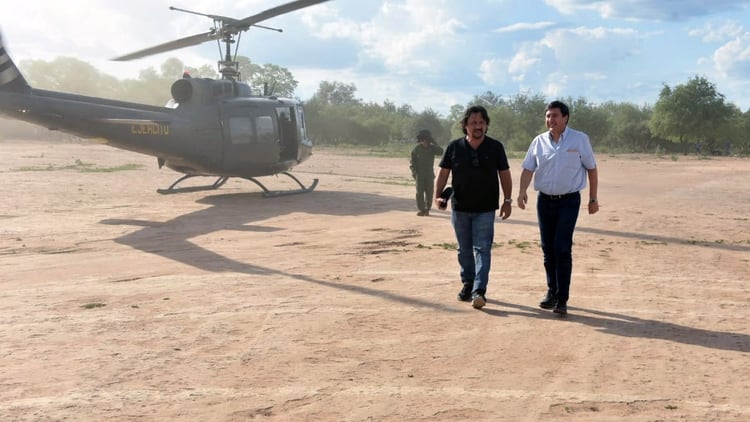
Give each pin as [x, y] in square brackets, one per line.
[560, 161]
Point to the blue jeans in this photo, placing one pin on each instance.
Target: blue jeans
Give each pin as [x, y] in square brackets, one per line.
[557, 221]
[474, 233]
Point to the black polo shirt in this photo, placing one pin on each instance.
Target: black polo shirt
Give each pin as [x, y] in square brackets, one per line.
[475, 182]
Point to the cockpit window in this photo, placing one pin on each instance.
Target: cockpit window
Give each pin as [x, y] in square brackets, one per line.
[266, 132]
[241, 130]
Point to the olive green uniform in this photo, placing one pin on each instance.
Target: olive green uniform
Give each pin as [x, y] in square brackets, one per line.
[422, 170]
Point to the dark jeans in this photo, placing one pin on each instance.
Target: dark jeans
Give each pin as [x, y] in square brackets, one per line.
[557, 221]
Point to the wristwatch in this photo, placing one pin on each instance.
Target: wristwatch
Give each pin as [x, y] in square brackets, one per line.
[592, 200]
[508, 200]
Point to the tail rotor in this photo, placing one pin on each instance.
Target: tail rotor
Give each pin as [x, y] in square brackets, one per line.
[10, 77]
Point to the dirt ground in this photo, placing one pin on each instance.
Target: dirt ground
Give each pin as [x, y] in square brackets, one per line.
[121, 304]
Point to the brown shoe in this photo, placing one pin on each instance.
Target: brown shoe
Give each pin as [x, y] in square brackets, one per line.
[478, 301]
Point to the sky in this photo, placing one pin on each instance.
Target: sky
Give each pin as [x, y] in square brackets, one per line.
[430, 54]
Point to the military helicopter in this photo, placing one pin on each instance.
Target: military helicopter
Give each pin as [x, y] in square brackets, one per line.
[210, 127]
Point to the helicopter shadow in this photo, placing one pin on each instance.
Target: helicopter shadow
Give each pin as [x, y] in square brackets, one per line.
[171, 239]
[630, 326]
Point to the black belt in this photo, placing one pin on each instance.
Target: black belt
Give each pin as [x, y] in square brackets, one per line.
[556, 197]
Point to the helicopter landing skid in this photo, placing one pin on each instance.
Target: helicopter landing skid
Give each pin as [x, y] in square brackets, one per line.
[223, 179]
[172, 189]
[273, 193]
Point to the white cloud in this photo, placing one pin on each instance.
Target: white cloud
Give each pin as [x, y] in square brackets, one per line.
[713, 32]
[525, 26]
[527, 59]
[733, 58]
[402, 36]
[594, 50]
[557, 85]
[648, 10]
[494, 71]
[594, 76]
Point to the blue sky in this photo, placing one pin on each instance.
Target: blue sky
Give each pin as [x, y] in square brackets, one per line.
[427, 53]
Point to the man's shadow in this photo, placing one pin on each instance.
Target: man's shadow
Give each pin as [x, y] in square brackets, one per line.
[630, 326]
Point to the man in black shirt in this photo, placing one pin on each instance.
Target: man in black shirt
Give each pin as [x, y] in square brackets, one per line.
[479, 168]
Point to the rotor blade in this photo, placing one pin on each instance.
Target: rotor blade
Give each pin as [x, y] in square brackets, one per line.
[244, 24]
[230, 27]
[171, 45]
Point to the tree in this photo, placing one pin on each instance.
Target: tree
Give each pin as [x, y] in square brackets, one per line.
[735, 136]
[68, 74]
[268, 79]
[503, 128]
[453, 122]
[430, 120]
[589, 118]
[743, 142]
[406, 110]
[150, 88]
[172, 68]
[247, 68]
[389, 106]
[456, 112]
[205, 71]
[488, 99]
[529, 112]
[628, 127]
[694, 112]
[336, 93]
[275, 80]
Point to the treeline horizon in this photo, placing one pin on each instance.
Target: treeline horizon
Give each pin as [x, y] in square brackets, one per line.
[692, 117]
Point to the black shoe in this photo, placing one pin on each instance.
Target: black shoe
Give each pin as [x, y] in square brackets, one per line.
[426, 213]
[478, 301]
[548, 302]
[465, 294]
[420, 213]
[561, 308]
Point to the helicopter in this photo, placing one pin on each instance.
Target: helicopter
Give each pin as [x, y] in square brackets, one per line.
[210, 127]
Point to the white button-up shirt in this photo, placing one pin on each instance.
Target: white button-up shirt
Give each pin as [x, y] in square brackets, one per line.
[560, 167]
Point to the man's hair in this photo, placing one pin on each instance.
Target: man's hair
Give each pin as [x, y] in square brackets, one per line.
[471, 110]
[559, 105]
[424, 135]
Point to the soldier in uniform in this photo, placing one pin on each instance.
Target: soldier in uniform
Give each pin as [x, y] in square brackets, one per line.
[422, 165]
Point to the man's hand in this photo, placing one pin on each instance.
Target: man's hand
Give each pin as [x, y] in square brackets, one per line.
[522, 199]
[593, 206]
[505, 210]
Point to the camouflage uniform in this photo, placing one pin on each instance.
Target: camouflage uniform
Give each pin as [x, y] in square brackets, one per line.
[422, 165]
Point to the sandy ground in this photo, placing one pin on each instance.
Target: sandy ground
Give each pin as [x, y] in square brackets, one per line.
[121, 304]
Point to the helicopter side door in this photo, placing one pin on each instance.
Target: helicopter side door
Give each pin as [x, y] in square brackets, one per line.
[250, 141]
[288, 133]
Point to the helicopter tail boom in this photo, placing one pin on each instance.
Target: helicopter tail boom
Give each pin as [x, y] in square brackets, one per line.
[83, 116]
